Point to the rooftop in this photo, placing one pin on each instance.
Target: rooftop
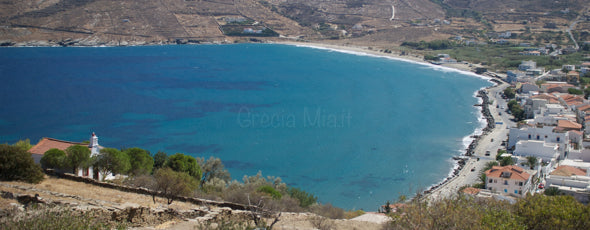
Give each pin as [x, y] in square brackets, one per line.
[567, 124]
[512, 172]
[566, 170]
[49, 143]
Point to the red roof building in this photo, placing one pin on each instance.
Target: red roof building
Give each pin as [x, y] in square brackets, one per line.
[508, 180]
[50, 143]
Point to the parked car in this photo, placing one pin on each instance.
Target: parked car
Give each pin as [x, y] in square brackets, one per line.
[487, 153]
[541, 186]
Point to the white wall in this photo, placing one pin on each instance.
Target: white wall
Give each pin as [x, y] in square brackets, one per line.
[540, 149]
[508, 186]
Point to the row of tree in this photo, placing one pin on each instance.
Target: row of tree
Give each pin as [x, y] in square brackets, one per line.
[176, 175]
[172, 175]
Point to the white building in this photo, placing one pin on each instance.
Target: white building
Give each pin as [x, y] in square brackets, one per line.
[46, 144]
[572, 181]
[545, 134]
[508, 180]
[546, 151]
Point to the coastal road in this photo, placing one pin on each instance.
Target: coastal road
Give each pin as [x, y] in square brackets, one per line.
[491, 142]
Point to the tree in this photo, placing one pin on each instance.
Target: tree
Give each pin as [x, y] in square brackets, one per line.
[54, 158]
[140, 160]
[506, 161]
[489, 165]
[112, 160]
[172, 183]
[213, 168]
[24, 144]
[78, 156]
[184, 163]
[160, 159]
[305, 199]
[531, 161]
[269, 190]
[575, 91]
[16, 164]
[516, 110]
[552, 191]
[509, 92]
[387, 207]
[553, 212]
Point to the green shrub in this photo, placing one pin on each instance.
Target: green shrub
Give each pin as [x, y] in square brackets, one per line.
[54, 158]
[18, 164]
[305, 199]
[269, 190]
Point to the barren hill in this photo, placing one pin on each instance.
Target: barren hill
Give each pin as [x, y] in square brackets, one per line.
[120, 22]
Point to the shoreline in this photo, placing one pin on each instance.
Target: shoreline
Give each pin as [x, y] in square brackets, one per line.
[468, 69]
[488, 124]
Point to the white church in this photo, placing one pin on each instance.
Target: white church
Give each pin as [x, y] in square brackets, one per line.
[46, 144]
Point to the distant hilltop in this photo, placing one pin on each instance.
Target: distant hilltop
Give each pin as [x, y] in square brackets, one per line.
[367, 22]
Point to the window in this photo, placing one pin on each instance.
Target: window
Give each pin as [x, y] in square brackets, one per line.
[520, 183]
[545, 136]
[505, 182]
[505, 190]
[557, 139]
[515, 191]
[529, 136]
[495, 181]
[490, 181]
[538, 137]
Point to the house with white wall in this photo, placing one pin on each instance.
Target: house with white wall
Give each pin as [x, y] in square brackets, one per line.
[545, 133]
[46, 144]
[508, 180]
[572, 181]
[548, 152]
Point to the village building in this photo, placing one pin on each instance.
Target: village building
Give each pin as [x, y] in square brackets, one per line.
[526, 65]
[508, 180]
[572, 181]
[46, 144]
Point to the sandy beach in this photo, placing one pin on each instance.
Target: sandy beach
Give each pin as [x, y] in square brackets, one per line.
[465, 174]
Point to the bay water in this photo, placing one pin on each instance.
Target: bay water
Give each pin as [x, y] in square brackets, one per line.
[355, 130]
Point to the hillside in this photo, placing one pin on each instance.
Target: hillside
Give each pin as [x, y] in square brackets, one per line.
[110, 206]
[109, 22]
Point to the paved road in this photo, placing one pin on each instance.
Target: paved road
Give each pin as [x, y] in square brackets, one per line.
[467, 176]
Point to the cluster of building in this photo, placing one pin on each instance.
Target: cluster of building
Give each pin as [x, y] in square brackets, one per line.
[529, 72]
[554, 133]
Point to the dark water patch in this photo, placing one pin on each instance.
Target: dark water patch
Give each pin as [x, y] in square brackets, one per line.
[312, 179]
[350, 194]
[197, 148]
[240, 85]
[369, 181]
[240, 165]
[215, 106]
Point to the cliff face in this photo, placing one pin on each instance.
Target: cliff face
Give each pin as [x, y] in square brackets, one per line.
[120, 22]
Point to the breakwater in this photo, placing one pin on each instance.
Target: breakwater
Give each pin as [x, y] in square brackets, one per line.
[461, 161]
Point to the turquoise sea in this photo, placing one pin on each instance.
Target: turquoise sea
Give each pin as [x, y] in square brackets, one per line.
[353, 129]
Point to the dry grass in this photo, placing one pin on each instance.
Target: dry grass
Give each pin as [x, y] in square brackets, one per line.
[89, 193]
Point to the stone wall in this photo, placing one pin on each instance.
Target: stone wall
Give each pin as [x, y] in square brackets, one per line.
[145, 191]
